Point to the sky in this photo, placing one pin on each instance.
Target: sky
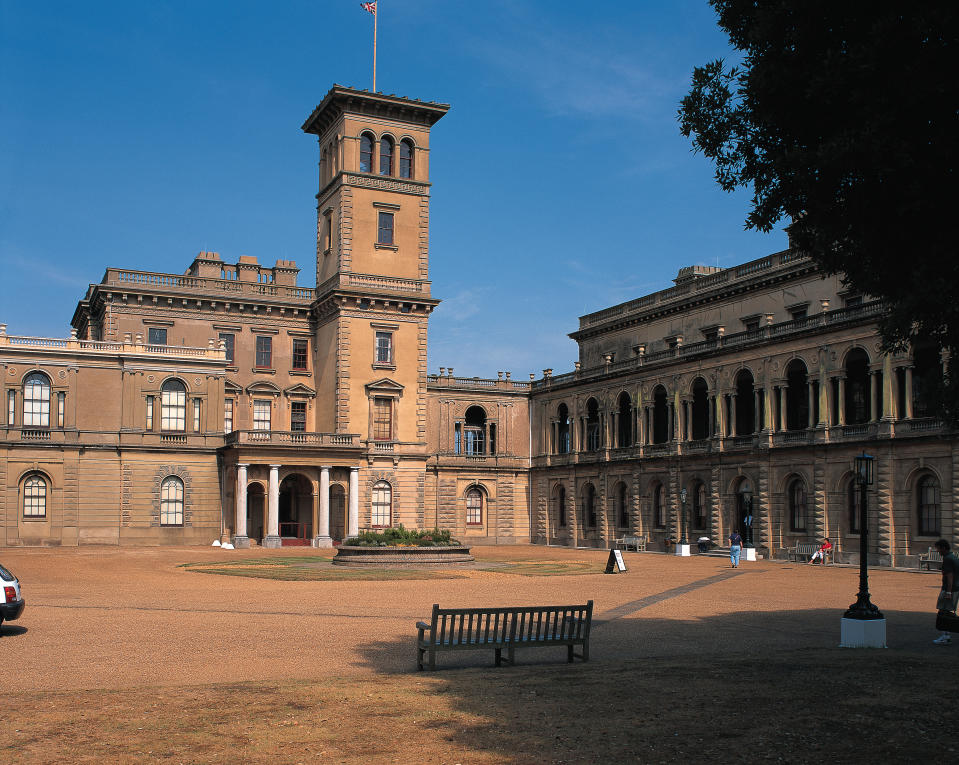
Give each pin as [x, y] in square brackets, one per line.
[137, 134]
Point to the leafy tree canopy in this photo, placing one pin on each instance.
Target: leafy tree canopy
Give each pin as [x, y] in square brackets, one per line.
[843, 118]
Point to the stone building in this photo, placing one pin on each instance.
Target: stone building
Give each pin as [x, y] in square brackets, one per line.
[229, 402]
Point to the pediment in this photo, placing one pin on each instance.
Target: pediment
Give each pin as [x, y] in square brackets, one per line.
[384, 385]
[231, 387]
[263, 387]
[299, 390]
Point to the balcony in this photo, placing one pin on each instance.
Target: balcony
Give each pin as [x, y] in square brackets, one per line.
[230, 289]
[286, 438]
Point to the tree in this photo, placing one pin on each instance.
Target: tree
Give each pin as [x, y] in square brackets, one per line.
[843, 118]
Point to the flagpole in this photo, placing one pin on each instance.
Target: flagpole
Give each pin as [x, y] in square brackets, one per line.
[376, 15]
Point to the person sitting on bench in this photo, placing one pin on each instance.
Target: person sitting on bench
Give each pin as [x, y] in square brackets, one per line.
[824, 548]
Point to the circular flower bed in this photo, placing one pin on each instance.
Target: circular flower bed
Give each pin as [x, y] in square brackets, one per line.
[402, 547]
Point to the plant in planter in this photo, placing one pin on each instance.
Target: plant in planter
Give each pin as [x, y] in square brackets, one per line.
[398, 536]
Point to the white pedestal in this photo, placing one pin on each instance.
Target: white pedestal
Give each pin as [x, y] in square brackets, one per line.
[322, 542]
[862, 633]
[272, 541]
[241, 543]
[682, 550]
[749, 553]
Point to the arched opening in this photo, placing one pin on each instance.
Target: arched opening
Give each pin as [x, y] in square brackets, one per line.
[255, 511]
[366, 153]
[700, 514]
[660, 416]
[625, 432]
[659, 506]
[745, 404]
[744, 521]
[593, 439]
[622, 506]
[700, 409]
[560, 507]
[797, 396]
[563, 445]
[474, 431]
[857, 403]
[381, 505]
[36, 401]
[173, 406]
[589, 506]
[35, 491]
[852, 506]
[171, 501]
[927, 506]
[337, 512]
[474, 506]
[406, 158]
[296, 510]
[386, 155]
[796, 502]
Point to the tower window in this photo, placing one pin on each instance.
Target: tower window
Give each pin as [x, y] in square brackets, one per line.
[298, 416]
[229, 341]
[384, 347]
[156, 336]
[385, 228]
[406, 159]
[366, 153]
[386, 156]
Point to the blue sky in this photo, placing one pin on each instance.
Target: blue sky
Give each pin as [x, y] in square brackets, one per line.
[137, 134]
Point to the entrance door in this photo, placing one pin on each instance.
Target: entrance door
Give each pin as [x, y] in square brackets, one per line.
[255, 508]
[337, 513]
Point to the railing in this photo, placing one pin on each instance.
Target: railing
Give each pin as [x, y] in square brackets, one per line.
[168, 438]
[386, 447]
[794, 437]
[108, 346]
[292, 530]
[699, 445]
[416, 287]
[119, 277]
[853, 431]
[741, 441]
[292, 438]
[34, 435]
[448, 381]
[925, 423]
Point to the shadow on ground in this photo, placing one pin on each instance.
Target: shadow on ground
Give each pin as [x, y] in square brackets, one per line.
[11, 630]
[736, 687]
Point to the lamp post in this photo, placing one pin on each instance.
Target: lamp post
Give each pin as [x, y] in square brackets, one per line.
[863, 607]
[683, 520]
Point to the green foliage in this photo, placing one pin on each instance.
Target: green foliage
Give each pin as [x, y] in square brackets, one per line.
[398, 536]
[842, 118]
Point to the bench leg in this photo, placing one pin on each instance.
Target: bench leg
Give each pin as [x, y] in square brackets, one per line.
[586, 651]
[499, 656]
[419, 658]
[569, 654]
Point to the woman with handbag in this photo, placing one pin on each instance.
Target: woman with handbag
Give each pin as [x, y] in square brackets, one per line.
[949, 596]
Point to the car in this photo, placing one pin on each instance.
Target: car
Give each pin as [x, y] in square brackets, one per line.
[12, 602]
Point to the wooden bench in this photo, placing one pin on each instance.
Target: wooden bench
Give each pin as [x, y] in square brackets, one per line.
[465, 629]
[928, 558]
[803, 551]
[637, 543]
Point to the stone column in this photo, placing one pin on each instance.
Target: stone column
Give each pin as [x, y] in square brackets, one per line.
[824, 386]
[240, 538]
[842, 400]
[811, 392]
[323, 526]
[614, 441]
[757, 408]
[353, 522]
[767, 408]
[272, 538]
[908, 393]
[873, 395]
[732, 414]
[783, 405]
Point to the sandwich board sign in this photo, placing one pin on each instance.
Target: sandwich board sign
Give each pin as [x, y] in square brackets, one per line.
[615, 563]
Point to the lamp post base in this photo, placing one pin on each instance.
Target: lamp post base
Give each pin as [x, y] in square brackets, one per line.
[682, 550]
[862, 633]
[272, 541]
[749, 553]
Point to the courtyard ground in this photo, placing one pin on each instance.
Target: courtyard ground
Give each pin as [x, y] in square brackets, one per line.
[145, 655]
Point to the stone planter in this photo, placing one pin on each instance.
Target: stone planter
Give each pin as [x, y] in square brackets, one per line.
[359, 555]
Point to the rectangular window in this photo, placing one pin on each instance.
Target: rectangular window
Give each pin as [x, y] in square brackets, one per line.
[384, 347]
[752, 325]
[798, 313]
[382, 419]
[385, 228]
[300, 351]
[156, 336]
[261, 414]
[327, 232]
[229, 340]
[298, 416]
[228, 415]
[264, 352]
[11, 407]
[61, 408]
[457, 438]
[149, 412]
[196, 415]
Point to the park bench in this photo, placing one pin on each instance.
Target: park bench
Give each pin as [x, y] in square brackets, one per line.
[803, 551]
[465, 629]
[637, 543]
[928, 558]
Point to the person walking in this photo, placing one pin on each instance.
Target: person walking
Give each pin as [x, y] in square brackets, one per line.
[735, 547]
[949, 596]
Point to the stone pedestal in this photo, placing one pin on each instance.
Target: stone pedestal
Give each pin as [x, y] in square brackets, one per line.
[749, 553]
[272, 541]
[862, 633]
[321, 541]
[241, 543]
[682, 550]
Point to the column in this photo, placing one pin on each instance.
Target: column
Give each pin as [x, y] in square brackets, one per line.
[811, 391]
[323, 520]
[783, 406]
[842, 399]
[767, 408]
[757, 408]
[353, 521]
[824, 386]
[888, 388]
[272, 538]
[672, 422]
[240, 539]
[908, 393]
[732, 415]
[681, 420]
[873, 395]
[614, 441]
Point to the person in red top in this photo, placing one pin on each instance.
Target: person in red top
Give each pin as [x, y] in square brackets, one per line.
[824, 548]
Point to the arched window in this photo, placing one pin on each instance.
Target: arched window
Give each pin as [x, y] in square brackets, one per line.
[36, 401]
[622, 506]
[852, 506]
[474, 507]
[660, 416]
[927, 490]
[386, 155]
[366, 153]
[625, 434]
[659, 506]
[562, 430]
[700, 409]
[171, 501]
[561, 506]
[699, 506]
[406, 158]
[173, 405]
[797, 505]
[474, 431]
[745, 404]
[857, 403]
[382, 504]
[797, 396]
[593, 439]
[34, 497]
[589, 506]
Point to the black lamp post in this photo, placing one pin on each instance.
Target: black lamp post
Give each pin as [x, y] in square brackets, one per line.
[747, 495]
[683, 520]
[863, 608]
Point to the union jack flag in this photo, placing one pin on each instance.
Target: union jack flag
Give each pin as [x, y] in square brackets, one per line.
[371, 7]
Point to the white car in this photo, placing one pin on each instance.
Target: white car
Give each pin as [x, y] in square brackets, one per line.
[12, 602]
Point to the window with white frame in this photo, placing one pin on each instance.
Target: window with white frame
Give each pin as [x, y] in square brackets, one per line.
[196, 415]
[36, 401]
[927, 489]
[264, 352]
[228, 415]
[149, 424]
[11, 407]
[261, 414]
[61, 408]
[298, 416]
[474, 507]
[382, 504]
[384, 229]
[173, 405]
[384, 347]
[34, 497]
[171, 501]
[382, 419]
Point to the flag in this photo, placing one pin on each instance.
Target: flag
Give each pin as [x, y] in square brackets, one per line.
[371, 7]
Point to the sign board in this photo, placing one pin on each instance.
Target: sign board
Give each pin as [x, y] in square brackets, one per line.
[615, 563]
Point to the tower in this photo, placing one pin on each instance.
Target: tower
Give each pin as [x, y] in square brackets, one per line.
[373, 298]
